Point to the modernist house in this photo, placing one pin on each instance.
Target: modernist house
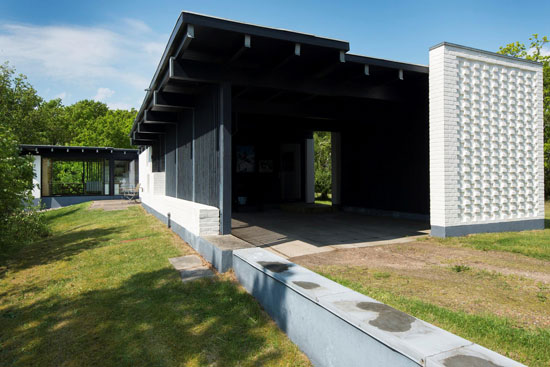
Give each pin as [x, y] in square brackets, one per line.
[226, 125]
[71, 175]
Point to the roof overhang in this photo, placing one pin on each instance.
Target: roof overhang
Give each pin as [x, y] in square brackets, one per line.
[204, 50]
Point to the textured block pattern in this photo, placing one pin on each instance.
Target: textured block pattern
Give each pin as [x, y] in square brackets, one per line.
[497, 126]
[486, 138]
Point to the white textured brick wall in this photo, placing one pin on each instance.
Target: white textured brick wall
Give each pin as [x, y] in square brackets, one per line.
[150, 182]
[198, 219]
[486, 138]
[145, 169]
[157, 182]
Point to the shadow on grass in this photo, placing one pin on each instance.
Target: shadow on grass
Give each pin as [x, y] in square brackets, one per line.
[58, 247]
[547, 223]
[151, 319]
[59, 213]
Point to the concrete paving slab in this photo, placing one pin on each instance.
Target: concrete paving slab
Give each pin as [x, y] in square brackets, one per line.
[299, 248]
[227, 242]
[186, 262]
[197, 273]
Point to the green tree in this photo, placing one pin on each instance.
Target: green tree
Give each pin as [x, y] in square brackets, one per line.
[18, 105]
[323, 163]
[96, 125]
[536, 52]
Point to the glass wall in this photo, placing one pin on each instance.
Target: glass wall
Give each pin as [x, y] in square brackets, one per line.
[125, 175]
[74, 177]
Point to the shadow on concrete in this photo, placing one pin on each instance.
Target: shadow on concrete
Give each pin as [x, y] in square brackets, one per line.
[273, 227]
[150, 319]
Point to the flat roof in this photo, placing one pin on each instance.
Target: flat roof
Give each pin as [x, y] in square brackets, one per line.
[180, 35]
[36, 148]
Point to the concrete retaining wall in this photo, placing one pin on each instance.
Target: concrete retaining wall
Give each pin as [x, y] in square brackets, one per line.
[217, 250]
[198, 219]
[335, 326]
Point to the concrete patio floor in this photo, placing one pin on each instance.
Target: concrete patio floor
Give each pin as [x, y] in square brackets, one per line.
[296, 234]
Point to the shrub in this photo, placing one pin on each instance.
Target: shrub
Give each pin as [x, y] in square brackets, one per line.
[20, 221]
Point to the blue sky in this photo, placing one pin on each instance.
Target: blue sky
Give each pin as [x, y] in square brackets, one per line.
[108, 50]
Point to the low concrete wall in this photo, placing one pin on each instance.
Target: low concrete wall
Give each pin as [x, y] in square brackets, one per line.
[335, 326]
[52, 202]
[198, 219]
[216, 249]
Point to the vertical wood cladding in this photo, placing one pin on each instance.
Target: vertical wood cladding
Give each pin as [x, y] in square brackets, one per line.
[170, 161]
[385, 160]
[191, 157]
[185, 156]
[206, 149]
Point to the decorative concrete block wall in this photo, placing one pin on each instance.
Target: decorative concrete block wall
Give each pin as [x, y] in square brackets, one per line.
[486, 142]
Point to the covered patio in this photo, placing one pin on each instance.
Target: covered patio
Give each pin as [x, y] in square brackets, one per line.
[293, 234]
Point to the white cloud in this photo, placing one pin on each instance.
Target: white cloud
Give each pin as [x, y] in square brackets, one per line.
[119, 106]
[103, 94]
[84, 57]
[61, 95]
[137, 25]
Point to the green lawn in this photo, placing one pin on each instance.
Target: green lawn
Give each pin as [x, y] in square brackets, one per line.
[530, 243]
[101, 292]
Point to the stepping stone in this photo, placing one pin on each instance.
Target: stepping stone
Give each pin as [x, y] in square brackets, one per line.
[186, 262]
[190, 267]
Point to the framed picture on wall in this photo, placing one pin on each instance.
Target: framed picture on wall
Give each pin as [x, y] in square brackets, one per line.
[246, 158]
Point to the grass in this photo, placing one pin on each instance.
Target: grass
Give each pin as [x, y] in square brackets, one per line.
[529, 243]
[319, 200]
[101, 292]
[527, 345]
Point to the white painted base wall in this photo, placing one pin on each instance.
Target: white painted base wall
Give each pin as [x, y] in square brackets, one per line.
[199, 219]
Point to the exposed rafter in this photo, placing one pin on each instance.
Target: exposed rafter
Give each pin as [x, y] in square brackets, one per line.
[150, 129]
[247, 44]
[194, 72]
[142, 136]
[188, 36]
[171, 102]
[154, 117]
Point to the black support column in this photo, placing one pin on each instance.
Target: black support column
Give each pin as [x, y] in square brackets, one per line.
[225, 158]
[111, 177]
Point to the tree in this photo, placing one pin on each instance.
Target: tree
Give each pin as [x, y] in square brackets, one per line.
[32, 120]
[536, 52]
[323, 163]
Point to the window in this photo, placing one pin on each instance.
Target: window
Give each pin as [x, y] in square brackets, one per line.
[74, 177]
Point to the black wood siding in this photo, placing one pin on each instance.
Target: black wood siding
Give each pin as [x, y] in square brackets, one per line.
[206, 149]
[385, 162]
[185, 156]
[170, 161]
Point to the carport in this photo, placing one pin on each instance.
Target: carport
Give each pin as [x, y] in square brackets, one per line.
[232, 107]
